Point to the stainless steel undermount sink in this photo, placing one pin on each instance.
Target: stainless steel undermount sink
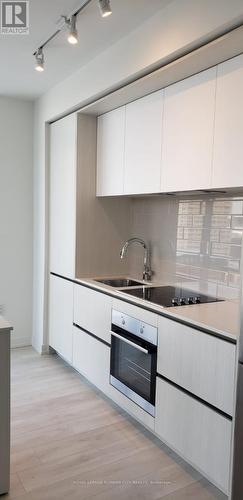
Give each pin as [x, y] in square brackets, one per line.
[119, 282]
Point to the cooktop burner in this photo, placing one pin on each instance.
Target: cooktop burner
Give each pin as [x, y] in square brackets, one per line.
[170, 296]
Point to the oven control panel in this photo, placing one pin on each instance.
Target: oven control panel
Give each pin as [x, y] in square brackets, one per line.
[135, 326]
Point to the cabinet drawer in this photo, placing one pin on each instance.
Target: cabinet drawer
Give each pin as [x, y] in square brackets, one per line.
[201, 363]
[197, 433]
[92, 311]
[130, 407]
[91, 358]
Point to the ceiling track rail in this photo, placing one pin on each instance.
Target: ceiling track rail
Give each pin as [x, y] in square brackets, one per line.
[75, 13]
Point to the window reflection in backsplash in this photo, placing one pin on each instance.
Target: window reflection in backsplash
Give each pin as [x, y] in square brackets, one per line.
[194, 242]
[209, 239]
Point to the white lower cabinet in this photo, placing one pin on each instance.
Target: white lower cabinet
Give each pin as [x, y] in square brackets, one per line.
[91, 358]
[61, 316]
[199, 434]
[92, 311]
[201, 363]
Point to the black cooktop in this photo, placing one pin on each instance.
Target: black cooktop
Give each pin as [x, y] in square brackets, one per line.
[170, 296]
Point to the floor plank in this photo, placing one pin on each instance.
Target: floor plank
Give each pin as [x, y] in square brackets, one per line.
[70, 442]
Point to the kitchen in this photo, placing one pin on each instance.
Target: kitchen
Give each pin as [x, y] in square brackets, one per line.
[137, 240]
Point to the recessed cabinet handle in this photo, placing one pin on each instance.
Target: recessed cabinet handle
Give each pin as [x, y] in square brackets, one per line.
[136, 346]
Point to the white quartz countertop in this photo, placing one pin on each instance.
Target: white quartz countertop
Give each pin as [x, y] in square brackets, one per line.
[220, 318]
[4, 325]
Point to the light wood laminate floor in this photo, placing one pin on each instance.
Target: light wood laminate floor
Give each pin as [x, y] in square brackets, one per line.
[70, 442]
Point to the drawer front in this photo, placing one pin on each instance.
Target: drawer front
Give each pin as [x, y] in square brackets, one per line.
[197, 433]
[92, 359]
[201, 363]
[130, 407]
[92, 311]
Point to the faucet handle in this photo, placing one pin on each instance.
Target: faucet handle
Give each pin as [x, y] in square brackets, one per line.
[147, 274]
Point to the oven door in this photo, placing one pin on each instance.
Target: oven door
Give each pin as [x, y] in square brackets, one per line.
[133, 368]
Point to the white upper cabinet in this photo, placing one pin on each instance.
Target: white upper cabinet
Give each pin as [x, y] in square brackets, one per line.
[228, 144]
[143, 141]
[63, 162]
[186, 137]
[110, 153]
[188, 133]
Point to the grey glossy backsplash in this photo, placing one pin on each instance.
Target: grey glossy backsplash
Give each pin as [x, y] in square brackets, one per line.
[196, 241]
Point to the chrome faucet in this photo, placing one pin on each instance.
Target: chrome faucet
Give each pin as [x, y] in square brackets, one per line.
[147, 273]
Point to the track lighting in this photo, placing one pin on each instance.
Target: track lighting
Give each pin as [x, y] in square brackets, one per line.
[71, 26]
[105, 8]
[72, 36]
[39, 58]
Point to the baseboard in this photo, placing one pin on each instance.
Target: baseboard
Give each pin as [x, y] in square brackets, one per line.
[27, 342]
[40, 348]
[45, 349]
[20, 342]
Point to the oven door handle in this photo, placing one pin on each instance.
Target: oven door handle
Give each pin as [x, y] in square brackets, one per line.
[136, 346]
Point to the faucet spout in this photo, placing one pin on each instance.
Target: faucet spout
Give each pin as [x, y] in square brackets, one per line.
[147, 273]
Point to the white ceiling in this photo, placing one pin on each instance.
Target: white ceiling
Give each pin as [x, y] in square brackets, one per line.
[18, 77]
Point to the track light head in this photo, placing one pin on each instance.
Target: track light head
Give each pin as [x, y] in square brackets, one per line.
[39, 60]
[105, 8]
[72, 36]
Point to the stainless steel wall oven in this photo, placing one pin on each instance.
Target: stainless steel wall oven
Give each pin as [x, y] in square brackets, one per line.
[134, 359]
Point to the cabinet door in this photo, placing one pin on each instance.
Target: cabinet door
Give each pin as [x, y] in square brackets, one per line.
[61, 316]
[92, 359]
[201, 363]
[110, 152]
[200, 435]
[188, 133]
[92, 311]
[228, 149]
[63, 145]
[143, 141]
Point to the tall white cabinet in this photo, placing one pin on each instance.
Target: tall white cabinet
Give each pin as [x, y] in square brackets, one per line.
[63, 168]
[143, 141]
[228, 143]
[63, 164]
[188, 133]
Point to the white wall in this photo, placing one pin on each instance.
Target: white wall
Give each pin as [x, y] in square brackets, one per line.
[16, 216]
[182, 24]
